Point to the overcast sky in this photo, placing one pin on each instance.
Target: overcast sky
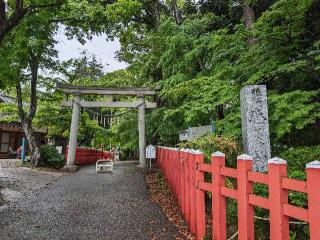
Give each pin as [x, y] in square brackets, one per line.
[104, 50]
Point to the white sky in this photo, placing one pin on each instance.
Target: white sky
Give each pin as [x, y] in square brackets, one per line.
[104, 50]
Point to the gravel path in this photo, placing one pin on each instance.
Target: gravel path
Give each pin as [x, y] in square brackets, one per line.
[87, 206]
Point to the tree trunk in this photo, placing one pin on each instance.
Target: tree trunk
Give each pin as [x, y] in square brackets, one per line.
[249, 16]
[34, 148]
[155, 14]
[26, 121]
[34, 66]
[176, 12]
[249, 19]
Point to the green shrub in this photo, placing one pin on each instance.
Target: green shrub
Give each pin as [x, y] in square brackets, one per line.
[50, 157]
[211, 143]
[297, 158]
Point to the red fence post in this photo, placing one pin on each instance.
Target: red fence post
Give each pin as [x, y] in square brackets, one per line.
[183, 180]
[167, 166]
[173, 156]
[160, 157]
[165, 161]
[278, 196]
[163, 154]
[168, 163]
[313, 177]
[176, 173]
[200, 198]
[179, 170]
[187, 195]
[218, 201]
[171, 168]
[172, 160]
[245, 210]
[193, 209]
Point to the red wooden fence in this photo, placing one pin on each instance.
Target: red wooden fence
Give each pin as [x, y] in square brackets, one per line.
[89, 155]
[184, 171]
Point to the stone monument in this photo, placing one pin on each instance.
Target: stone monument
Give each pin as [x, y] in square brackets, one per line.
[255, 125]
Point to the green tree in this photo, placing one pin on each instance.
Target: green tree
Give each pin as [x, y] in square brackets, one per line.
[13, 12]
[31, 48]
[202, 62]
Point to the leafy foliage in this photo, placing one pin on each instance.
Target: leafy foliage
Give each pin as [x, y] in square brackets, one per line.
[297, 158]
[201, 64]
[50, 157]
[210, 143]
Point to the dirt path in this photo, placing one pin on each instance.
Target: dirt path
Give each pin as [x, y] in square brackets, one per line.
[86, 205]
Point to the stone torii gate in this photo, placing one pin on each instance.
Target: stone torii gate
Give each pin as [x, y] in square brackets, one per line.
[76, 103]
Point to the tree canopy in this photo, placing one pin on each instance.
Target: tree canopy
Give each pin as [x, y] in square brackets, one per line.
[201, 62]
[198, 54]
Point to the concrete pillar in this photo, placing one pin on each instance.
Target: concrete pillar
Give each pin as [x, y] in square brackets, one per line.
[73, 133]
[142, 132]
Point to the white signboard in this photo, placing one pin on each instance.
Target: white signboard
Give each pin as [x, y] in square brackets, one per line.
[197, 132]
[194, 132]
[59, 149]
[151, 151]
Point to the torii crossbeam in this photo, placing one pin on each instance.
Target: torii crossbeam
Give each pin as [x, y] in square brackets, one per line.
[76, 103]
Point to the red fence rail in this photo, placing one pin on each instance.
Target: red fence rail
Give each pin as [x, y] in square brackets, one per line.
[86, 156]
[184, 171]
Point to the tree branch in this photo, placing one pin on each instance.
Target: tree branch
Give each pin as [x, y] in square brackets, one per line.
[6, 25]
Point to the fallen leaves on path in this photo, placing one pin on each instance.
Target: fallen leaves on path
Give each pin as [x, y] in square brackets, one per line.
[160, 193]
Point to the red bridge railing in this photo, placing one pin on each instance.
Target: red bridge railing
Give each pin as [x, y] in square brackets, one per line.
[184, 171]
[86, 156]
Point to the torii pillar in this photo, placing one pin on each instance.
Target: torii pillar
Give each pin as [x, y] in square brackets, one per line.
[73, 141]
[142, 132]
